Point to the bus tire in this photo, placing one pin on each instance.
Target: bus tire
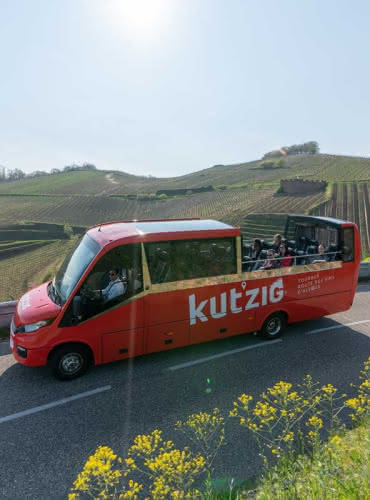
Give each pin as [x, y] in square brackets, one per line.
[70, 361]
[273, 326]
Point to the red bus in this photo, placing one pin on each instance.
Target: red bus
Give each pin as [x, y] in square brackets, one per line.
[137, 287]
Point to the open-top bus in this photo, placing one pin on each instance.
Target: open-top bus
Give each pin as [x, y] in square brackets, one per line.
[137, 287]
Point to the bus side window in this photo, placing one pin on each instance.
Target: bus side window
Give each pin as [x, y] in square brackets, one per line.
[114, 278]
[180, 260]
[348, 245]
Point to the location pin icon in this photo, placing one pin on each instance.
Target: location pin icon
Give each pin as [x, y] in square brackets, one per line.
[244, 284]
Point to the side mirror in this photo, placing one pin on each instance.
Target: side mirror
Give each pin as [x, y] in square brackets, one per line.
[77, 309]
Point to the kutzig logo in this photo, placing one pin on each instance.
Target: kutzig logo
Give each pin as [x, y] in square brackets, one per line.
[256, 297]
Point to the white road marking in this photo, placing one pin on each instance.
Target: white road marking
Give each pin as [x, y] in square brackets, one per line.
[319, 330]
[63, 401]
[221, 355]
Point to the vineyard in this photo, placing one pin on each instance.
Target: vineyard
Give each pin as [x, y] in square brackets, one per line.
[90, 210]
[349, 201]
[331, 168]
[64, 202]
[28, 252]
[37, 248]
[263, 226]
[19, 273]
[264, 220]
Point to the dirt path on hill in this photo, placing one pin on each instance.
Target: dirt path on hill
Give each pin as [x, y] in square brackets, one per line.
[113, 182]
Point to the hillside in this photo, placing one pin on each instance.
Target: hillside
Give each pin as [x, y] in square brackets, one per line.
[90, 210]
[245, 195]
[318, 166]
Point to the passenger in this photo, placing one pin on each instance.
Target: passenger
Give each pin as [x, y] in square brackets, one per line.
[257, 249]
[286, 260]
[347, 255]
[270, 262]
[116, 287]
[321, 256]
[276, 243]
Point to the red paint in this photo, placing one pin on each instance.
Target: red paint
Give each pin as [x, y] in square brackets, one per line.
[160, 321]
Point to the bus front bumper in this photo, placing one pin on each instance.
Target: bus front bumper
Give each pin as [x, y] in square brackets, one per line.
[28, 357]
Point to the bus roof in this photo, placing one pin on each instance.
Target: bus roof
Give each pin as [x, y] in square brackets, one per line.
[313, 218]
[151, 230]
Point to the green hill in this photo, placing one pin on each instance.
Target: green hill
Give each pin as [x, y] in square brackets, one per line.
[244, 194]
[318, 166]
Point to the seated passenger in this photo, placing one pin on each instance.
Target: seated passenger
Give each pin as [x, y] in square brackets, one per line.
[321, 256]
[256, 253]
[285, 258]
[346, 254]
[276, 243]
[270, 262]
[257, 249]
[116, 287]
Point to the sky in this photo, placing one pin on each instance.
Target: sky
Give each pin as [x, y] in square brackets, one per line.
[169, 87]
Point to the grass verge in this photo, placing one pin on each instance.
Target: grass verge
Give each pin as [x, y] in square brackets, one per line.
[338, 470]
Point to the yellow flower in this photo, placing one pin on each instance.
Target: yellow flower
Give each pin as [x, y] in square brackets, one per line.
[335, 440]
[365, 384]
[315, 422]
[289, 436]
[329, 389]
[281, 388]
[353, 403]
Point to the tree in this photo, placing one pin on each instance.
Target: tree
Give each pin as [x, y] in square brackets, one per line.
[75, 167]
[2, 174]
[37, 173]
[88, 166]
[16, 174]
[55, 171]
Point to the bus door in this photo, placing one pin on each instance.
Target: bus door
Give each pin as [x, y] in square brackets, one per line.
[166, 314]
[110, 304]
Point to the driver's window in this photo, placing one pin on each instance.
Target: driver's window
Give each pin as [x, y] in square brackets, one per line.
[116, 277]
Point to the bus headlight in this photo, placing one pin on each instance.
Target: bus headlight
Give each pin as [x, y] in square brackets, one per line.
[33, 327]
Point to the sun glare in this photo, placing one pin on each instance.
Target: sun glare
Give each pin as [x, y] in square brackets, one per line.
[138, 20]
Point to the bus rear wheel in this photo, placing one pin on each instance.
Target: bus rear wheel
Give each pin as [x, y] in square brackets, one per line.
[69, 362]
[273, 326]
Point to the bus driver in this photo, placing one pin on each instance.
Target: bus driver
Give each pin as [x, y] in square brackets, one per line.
[116, 287]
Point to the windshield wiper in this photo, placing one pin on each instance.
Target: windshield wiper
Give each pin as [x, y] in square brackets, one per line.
[55, 296]
[51, 291]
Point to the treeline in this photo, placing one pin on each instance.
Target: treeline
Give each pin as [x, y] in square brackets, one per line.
[16, 174]
[311, 147]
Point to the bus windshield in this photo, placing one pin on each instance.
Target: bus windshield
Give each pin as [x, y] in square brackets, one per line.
[73, 267]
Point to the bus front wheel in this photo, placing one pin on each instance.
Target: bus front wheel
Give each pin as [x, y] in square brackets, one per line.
[273, 326]
[70, 361]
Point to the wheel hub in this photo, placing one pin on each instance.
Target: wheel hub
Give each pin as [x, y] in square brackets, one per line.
[71, 363]
[273, 326]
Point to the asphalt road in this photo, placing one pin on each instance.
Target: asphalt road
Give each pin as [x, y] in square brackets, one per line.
[42, 449]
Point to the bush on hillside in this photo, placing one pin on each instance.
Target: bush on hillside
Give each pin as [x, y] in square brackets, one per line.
[267, 164]
[311, 147]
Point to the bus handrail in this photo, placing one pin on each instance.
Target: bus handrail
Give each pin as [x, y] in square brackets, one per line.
[310, 255]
